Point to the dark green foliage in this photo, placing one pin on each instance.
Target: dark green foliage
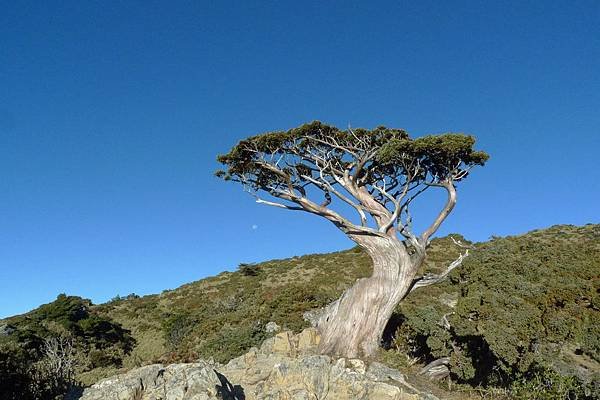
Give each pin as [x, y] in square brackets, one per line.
[75, 316]
[242, 159]
[289, 303]
[286, 164]
[438, 154]
[65, 310]
[102, 333]
[590, 335]
[249, 269]
[99, 341]
[547, 384]
[23, 378]
[231, 341]
[523, 302]
[101, 359]
[15, 380]
[176, 327]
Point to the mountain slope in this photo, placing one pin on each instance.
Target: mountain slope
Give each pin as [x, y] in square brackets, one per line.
[517, 307]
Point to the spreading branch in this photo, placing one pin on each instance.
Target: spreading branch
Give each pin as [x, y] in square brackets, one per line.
[377, 173]
[432, 279]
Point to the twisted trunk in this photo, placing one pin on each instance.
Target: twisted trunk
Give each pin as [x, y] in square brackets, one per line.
[353, 325]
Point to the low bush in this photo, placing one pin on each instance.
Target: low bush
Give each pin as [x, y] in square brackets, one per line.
[521, 302]
[64, 333]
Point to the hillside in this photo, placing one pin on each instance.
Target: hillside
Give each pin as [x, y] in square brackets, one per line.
[519, 310]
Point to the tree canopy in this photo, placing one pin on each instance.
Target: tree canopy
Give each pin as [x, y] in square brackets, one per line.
[377, 172]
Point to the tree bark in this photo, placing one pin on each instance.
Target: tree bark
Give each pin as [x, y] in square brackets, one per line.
[353, 325]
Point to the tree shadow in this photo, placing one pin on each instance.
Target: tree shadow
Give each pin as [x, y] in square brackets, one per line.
[389, 333]
[74, 392]
[227, 391]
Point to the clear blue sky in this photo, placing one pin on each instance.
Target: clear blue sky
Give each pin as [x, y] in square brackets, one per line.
[112, 113]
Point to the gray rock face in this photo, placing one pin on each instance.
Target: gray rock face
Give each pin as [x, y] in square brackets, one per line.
[283, 368]
[198, 381]
[272, 327]
[6, 329]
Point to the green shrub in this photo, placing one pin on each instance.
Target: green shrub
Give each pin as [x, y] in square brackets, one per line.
[512, 306]
[230, 341]
[103, 341]
[15, 379]
[101, 359]
[520, 299]
[546, 384]
[249, 269]
[175, 329]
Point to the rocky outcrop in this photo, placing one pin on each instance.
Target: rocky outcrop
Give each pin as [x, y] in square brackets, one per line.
[6, 329]
[285, 367]
[272, 327]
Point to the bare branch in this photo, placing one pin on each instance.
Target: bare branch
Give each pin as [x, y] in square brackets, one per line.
[342, 223]
[325, 185]
[280, 205]
[460, 244]
[334, 145]
[59, 358]
[437, 369]
[397, 201]
[432, 279]
[444, 323]
[450, 203]
[405, 229]
[377, 210]
[392, 218]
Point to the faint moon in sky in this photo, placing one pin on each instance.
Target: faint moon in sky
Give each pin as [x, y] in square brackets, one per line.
[254, 227]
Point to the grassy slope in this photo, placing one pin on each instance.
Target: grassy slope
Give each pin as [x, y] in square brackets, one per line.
[223, 316]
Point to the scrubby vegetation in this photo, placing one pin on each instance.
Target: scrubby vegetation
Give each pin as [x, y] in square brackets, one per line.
[41, 352]
[521, 310]
[520, 317]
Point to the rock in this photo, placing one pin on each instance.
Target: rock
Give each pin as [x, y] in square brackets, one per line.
[272, 327]
[284, 368]
[357, 365]
[282, 344]
[197, 381]
[6, 329]
[308, 340]
[381, 372]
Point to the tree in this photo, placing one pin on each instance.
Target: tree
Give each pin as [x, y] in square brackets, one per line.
[376, 173]
[53, 375]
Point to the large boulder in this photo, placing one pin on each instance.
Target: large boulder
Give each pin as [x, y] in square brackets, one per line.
[285, 367]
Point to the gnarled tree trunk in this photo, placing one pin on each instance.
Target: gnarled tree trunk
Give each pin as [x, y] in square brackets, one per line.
[353, 325]
[378, 173]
